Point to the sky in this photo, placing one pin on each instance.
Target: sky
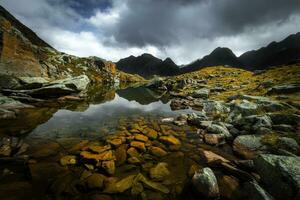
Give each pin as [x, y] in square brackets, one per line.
[184, 30]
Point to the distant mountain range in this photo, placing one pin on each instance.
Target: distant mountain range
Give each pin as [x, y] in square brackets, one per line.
[276, 53]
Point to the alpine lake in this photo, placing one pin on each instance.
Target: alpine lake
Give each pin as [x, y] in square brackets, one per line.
[115, 144]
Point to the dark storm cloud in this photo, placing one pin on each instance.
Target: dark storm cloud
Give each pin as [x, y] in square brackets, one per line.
[86, 8]
[167, 22]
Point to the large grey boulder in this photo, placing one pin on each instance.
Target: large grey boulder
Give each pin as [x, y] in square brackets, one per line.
[280, 174]
[215, 107]
[78, 83]
[248, 146]
[205, 183]
[255, 124]
[218, 129]
[56, 88]
[284, 89]
[284, 118]
[201, 93]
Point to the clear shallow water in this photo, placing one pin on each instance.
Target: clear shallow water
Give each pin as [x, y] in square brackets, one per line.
[97, 119]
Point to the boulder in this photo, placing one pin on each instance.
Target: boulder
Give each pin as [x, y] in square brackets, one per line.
[215, 107]
[202, 93]
[218, 129]
[248, 146]
[284, 118]
[78, 83]
[284, 89]
[159, 172]
[257, 192]
[280, 174]
[205, 183]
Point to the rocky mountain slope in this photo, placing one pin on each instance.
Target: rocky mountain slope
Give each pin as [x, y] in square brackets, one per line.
[24, 54]
[276, 53]
[147, 65]
[220, 56]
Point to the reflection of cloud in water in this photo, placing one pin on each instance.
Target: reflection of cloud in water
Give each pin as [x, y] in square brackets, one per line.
[115, 106]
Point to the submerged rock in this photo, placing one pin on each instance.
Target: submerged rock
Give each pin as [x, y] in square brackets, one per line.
[159, 172]
[68, 160]
[205, 183]
[171, 140]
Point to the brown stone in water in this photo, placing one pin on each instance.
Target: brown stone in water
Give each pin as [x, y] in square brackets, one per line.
[141, 137]
[138, 145]
[171, 140]
[95, 181]
[109, 166]
[116, 142]
[132, 152]
[99, 149]
[151, 133]
[134, 160]
[107, 155]
[156, 151]
[121, 154]
[159, 172]
[229, 187]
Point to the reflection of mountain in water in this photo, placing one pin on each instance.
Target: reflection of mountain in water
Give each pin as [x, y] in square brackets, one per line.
[141, 95]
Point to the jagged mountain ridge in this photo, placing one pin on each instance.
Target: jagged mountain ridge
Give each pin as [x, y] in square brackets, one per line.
[276, 53]
[147, 65]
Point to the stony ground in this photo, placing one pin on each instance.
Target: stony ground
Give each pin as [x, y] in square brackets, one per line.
[242, 139]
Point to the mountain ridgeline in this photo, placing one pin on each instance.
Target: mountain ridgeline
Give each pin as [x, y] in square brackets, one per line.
[276, 53]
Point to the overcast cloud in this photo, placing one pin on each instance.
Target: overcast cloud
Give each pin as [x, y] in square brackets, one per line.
[184, 30]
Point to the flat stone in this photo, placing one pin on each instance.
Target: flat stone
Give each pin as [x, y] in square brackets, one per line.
[138, 145]
[156, 151]
[141, 137]
[116, 142]
[170, 140]
[107, 155]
